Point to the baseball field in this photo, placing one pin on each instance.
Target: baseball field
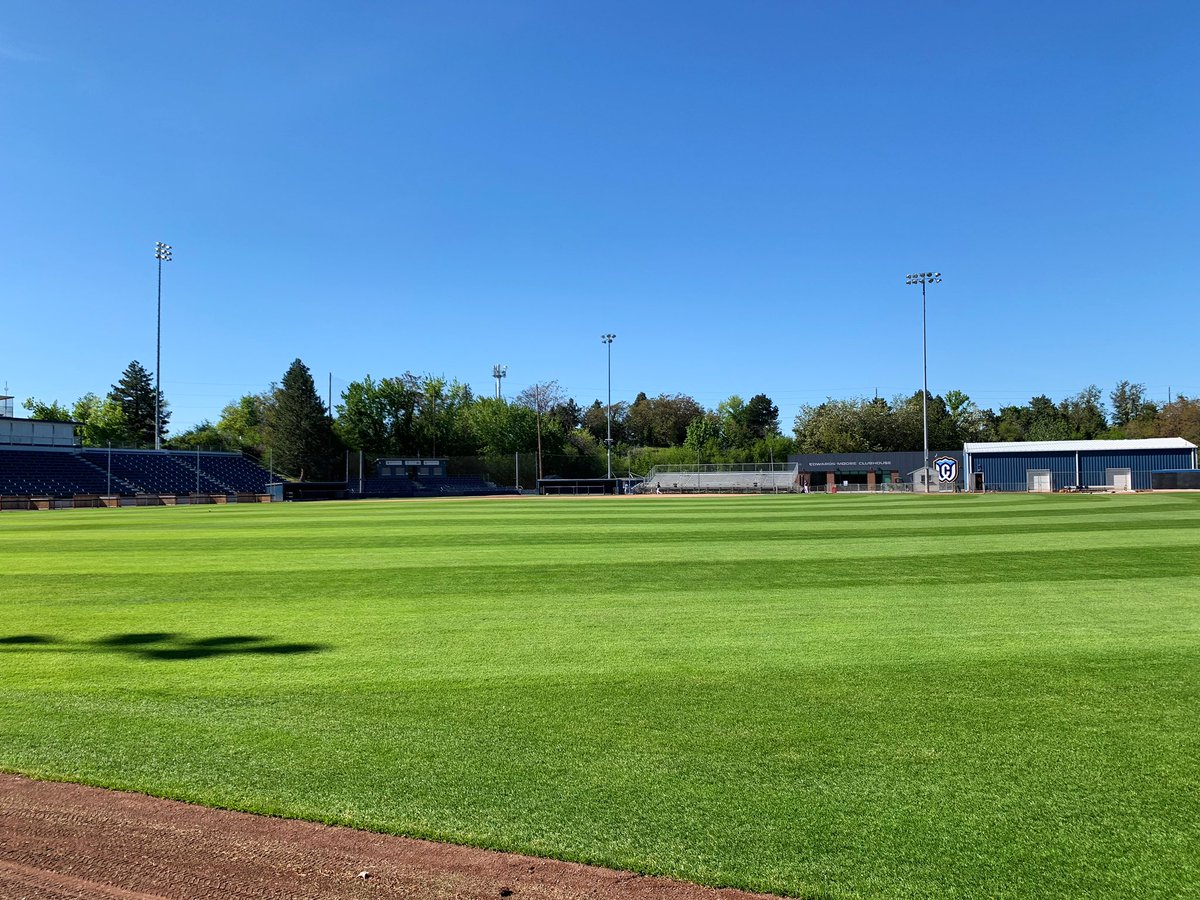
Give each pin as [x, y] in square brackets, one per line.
[821, 696]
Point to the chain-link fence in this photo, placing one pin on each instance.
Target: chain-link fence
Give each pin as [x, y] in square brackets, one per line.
[398, 475]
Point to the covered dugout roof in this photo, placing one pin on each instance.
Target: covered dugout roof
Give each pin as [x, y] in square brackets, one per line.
[1174, 443]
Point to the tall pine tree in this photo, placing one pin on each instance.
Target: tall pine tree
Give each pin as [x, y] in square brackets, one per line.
[135, 394]
[305, 445]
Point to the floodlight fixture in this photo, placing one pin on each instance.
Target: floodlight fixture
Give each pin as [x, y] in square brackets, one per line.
[162, 252]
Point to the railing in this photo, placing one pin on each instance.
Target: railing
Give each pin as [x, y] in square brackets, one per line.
[724, 467]
[889, 487]
[1023, 487]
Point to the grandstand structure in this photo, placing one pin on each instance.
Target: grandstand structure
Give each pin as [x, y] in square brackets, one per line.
[61, 473]
[724, 478]
[43, 465]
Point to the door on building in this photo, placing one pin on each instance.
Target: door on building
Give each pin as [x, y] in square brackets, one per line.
[1119, 479]
[1039, 481]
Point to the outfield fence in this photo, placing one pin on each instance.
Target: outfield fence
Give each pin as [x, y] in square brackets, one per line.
[93, 501]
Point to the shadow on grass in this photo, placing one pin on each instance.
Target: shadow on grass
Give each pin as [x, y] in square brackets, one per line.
[164, 645]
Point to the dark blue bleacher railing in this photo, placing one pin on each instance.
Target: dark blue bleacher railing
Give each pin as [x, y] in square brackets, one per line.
[230, 471]
[65, 473]
[390, 486]
[47, 473]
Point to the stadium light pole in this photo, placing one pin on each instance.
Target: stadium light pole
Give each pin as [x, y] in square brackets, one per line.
[162, 252]
[923, 278]
[608, 339]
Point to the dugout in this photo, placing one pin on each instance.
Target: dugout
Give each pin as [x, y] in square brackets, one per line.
[554, 485]
[307, 490]
[1175, 480]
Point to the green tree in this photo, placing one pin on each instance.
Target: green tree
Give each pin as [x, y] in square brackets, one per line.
[499, 427]
[850, 426]
[830, 427]
[48, 412]
[135, 393]
[595, 421]
[734, 429]
[202, 436]
[1084, 414]
[910, 423]
[381, 417]
[762, 417]
[453, 433]
[101, 421]
[1133, 415]
[661, 421]
[638, 425]
[1180, 418]
[431, 403]
[304, 442]
[1039, 420]
[704, 436]
[541, 398]
[568, 414]
[246, 423]
[970, 422]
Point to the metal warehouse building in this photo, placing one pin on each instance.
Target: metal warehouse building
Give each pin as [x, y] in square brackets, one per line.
[1054, 465]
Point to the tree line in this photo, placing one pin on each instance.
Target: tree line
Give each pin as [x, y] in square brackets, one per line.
[428, 415]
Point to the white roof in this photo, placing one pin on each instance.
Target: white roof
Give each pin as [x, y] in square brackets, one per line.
[1174, 443]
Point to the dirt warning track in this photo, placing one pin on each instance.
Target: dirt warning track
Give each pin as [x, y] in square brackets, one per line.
[70, 841]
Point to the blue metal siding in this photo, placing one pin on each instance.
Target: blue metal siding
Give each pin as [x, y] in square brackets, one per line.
[1009, 471]
[1140, 462]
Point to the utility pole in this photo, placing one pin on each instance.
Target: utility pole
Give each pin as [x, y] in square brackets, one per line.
[537, 400]
[923, 278]
[608, 339]
[162, 252]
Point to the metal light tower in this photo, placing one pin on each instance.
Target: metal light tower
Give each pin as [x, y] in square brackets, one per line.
[608, 339]
[924, 278]
[499, 372]
[162, 252]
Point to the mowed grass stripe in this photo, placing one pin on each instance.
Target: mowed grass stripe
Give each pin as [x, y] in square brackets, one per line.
[841, 696]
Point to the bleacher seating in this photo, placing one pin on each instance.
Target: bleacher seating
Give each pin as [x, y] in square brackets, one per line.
[65, 473]
[230, 471]
[717, 481]
[71, 471]
[154, 473]
[47, 473]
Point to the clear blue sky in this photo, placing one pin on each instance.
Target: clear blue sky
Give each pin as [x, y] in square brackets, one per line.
[735, 189]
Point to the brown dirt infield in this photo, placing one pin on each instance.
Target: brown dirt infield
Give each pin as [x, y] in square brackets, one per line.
[69, 841]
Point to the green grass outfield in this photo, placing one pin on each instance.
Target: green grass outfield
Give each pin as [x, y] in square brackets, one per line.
[840, 696]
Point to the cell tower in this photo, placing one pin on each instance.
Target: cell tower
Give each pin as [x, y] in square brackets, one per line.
[499, 372]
